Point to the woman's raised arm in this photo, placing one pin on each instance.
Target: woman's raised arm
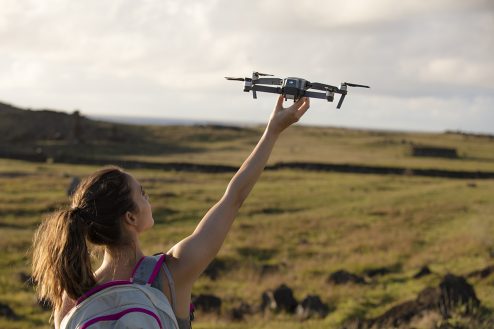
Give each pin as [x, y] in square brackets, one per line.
[196, 251]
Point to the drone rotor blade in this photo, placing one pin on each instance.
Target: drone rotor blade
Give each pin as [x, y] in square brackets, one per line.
[235, 79]
[355, 85]
[263, 74]
[341, 101]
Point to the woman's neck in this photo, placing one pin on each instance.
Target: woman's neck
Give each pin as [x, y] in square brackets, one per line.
[118, 263]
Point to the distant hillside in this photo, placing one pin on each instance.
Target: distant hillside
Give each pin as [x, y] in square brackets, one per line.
[44, 135]
[23, 126]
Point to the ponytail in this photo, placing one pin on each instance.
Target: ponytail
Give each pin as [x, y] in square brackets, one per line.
[61, 259]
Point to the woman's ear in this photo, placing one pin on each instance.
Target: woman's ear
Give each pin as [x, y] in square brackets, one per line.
[130, 219]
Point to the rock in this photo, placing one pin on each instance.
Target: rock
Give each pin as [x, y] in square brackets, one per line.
[44, 304]
[283, 296]
[26, 279]
[380, 271]
[396, 316]
[281, 299]
[440, 302]
[7, 312]
[267, 301]
[207, 303]
[312, 306]
[425, 270]
[456, 291]
[483, 273]
[267, 269]
[429, 298]
[214, 268]
[238, 312]
[342, 277]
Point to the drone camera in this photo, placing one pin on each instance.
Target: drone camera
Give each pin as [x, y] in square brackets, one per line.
[293, 88]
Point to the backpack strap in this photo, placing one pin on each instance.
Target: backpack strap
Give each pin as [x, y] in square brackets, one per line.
[171, 284]
[147, 269]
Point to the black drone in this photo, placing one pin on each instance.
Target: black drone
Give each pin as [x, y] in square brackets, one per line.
[294, 88]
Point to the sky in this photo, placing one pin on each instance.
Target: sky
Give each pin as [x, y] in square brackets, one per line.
[430, 64]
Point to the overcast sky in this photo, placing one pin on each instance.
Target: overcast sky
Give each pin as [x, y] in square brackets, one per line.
[429, 63]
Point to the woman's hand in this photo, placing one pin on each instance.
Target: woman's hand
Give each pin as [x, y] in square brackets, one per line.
[281, 118]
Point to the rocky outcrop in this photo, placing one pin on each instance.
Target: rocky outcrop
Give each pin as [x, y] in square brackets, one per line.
[343, 277]
[453, 293]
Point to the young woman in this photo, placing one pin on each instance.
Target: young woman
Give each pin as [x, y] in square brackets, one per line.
[111, 209]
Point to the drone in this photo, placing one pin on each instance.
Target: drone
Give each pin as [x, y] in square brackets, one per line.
[293, 88]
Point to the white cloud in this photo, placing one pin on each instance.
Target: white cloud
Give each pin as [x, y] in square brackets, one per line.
[134, 56]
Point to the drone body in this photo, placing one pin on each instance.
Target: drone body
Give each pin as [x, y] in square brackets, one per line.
[294, 88]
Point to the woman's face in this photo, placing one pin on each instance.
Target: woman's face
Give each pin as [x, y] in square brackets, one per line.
[143, 211]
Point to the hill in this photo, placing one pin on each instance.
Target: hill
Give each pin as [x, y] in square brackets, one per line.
[45, 135]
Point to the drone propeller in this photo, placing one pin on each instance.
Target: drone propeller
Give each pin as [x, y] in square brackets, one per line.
[235, 79]
[263, 74]
[354, 85]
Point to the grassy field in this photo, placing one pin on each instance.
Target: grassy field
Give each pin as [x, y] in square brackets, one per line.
[304, 225]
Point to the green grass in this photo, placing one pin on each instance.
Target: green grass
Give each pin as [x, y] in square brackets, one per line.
[306, 224]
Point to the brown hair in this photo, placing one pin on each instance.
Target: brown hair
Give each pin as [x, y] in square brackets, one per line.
[61, 257]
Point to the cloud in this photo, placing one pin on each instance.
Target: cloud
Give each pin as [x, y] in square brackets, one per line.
[116, 56]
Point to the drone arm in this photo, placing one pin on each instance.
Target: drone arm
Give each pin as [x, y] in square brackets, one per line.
[269, 81]
[314, 94]
[322, 86]
[266, 89]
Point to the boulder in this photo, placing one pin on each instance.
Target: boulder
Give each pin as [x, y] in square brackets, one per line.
[267, 301]
[425, 270]
[343, 277]
[207, 303]
[442, 301]
[7, 312]
[26, 279]
[239, 312]
[380, 271]
[312, 306]
[456, 291]
[214, 268]
[281, 299]
[483, 273]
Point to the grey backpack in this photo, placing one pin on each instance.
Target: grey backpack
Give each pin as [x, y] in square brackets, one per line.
[125, 304]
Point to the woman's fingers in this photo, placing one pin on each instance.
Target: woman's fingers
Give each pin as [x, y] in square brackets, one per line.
[302, 107]
[279, 103]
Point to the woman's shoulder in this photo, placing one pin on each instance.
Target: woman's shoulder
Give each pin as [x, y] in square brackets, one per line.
[67, 304]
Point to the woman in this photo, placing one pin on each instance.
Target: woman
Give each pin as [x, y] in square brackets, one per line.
[111, 209]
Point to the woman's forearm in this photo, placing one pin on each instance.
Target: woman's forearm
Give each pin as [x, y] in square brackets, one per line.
[246, 177]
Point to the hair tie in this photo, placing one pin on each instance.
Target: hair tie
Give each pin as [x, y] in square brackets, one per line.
[76, 211]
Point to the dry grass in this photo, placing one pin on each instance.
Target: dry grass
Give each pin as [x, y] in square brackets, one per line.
[303, 225]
